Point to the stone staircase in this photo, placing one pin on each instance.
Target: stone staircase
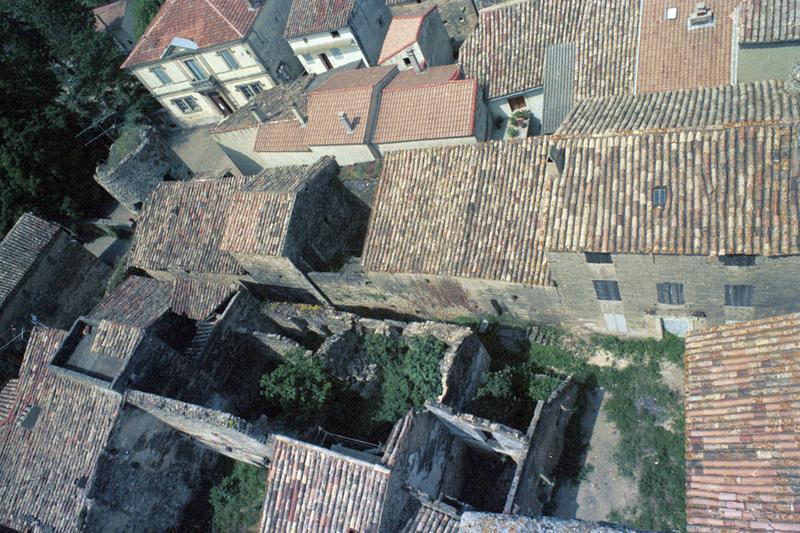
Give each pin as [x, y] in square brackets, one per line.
[7, 398]
[200, 339]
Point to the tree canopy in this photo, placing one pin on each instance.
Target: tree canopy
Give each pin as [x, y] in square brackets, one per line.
[63, 76]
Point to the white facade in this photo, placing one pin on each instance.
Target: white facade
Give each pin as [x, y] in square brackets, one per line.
[320, 52]
[173, 83]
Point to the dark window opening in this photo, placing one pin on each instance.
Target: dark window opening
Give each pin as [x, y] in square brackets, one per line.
[670, 293]
[660, 196]
[497, 307]
[407, 61]
[738, 260]
[598, 259]
[487, 435]
[326, 62]
[335, 34]
[739, 295]
[607, 290]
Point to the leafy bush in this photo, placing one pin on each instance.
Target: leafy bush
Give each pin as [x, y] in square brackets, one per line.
[410, 378]
[236, 501]
[300, 385]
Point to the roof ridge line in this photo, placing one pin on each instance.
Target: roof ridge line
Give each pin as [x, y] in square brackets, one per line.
[428, 85]
[665, 131]
[212, 6]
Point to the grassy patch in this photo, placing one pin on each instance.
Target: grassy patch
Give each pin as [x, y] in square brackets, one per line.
[118, 274]
[361, 171]
[647, 413]
[126, 143]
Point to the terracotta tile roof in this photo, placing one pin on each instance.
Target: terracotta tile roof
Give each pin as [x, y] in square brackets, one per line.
[469, 211]
[281, 136]
[324, 125]
[312, 16]
[433, 517]
[409, 78]
[672, 57]
[747, 102]
[258, 217]
[402, 33]
[181, 226]
[506, 51]
[436, 111]
[489, 210]
[109, 14]
[350, 92]
[273, 104]
[44, 470]
[206, 22]
[729, 191]
[21, 249]
[742, 419]
[115, 340]
[313, 489]
[198, 299]
[137, 302]
[361, 78]
[770, 21]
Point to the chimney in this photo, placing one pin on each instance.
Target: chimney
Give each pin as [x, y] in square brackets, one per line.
[297, 115]
[701, 16]
[346, 122]
[257, 114]
[413, 58]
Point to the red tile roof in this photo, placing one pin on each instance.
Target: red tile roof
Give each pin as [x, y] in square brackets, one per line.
[109, 14]
[672, 57]
[281, 136]
[402, 33]
[742, 420]
[436, 111]
[350, 92]
[312, 16]
[314, 489]
[21, 249]
[409, 78]
[507, 50]
[206, 22]
[43, 470]
[770, 21]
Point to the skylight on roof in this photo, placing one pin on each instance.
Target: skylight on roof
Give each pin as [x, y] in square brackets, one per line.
[671, 13]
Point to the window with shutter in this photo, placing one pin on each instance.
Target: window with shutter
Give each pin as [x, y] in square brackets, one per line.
[739, 295]
[670, 293]
[607, 290]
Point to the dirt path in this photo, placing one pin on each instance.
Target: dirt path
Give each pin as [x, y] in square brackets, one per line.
[604, 489]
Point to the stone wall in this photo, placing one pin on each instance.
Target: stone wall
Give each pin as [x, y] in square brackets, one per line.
[145, 477]
[545, 436]
[434, 41]
[268, 44]
[462, 366]
[370, 22]
[66, 282]
[774, 280]
[132, 179]
[430, 296]
[222, 432]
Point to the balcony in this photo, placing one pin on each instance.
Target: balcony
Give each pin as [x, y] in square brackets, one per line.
[207, 84]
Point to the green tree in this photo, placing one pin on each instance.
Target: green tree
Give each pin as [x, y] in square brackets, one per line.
[300, 385]
[237, 500]
[143, 13]
[43, 167]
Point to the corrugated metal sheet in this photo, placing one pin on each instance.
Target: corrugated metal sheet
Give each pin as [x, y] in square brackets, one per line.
[559, 83]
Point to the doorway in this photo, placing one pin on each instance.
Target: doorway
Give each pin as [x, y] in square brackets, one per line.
[220, 103]
[326, 61]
